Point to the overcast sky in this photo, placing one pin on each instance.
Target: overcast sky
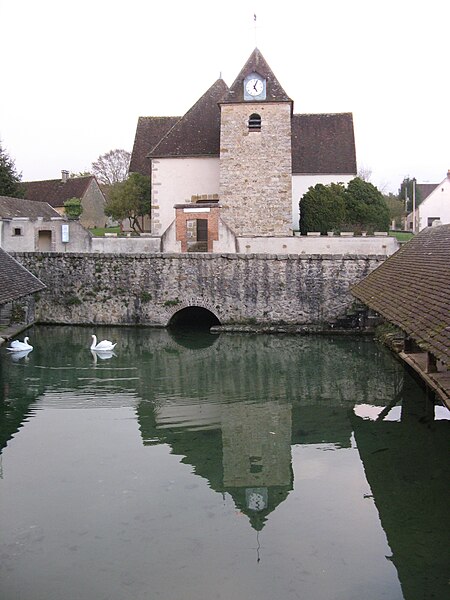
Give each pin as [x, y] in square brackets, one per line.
[76, 76]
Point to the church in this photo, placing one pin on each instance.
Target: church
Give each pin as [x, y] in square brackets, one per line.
[236, 165]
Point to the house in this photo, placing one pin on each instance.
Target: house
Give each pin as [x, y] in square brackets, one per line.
[434, 205]
[56, 191]
[411, 290]
[238, 162]
[17, 286]
[32, 226]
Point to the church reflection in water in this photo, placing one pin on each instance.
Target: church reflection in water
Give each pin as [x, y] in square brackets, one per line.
[234, 408]
[243, 449]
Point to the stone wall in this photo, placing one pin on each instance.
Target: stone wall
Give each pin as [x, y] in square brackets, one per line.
[238, 289]
[256, 169]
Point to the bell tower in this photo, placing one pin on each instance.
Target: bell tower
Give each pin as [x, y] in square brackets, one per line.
[255, 153]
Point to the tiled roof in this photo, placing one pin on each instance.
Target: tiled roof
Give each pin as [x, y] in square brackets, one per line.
[15, 280]
[412, 290]
[198, 132]
[56, 191]
[323, 143]
[149, 132]
[18, 207]
[257, 64]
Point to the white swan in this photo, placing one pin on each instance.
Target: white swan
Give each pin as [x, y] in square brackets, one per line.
[103, 346]
[17, 346]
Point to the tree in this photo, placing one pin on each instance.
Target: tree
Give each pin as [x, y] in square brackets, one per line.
[396, 208]
[9, 178]
[73, 208]
[322, 208]
[358, 207]
[365, 207]
[130, 200]
[112, 167]
[406, 192]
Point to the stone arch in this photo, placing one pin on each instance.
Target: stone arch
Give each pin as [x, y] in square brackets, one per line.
[194, 303]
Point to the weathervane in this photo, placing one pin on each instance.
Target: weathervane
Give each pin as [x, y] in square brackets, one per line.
[254, 21]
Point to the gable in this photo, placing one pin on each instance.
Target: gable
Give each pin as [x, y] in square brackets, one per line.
[323, 144]
[56, 191]
[256, 63]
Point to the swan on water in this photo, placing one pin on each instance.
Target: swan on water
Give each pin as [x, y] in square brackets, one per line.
[103, 346]
[17, 346]
[16, 356]
[102, 354]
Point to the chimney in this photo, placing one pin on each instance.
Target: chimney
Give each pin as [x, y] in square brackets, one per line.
[64, 176]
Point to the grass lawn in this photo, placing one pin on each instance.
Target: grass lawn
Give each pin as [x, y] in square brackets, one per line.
[402, 236]
[100, 231]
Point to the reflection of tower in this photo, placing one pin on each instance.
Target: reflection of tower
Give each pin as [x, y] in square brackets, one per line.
[257, 456]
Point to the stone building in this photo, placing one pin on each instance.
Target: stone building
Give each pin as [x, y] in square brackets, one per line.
[238, 162]
[56, 191]
[31, 226]
[434, 205]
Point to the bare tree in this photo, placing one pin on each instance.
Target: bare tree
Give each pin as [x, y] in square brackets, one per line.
[365, 173]
[112, 167]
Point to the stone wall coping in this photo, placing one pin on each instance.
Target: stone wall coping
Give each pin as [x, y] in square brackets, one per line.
[204, 256]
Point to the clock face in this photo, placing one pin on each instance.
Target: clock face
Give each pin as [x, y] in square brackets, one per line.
[254, 87]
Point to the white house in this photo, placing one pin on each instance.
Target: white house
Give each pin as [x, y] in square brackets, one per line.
[238, 162]
[434, 207]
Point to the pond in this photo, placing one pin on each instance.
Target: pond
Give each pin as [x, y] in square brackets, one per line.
[194, 466]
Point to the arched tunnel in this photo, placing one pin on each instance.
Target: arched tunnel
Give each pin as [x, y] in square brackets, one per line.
[193, 318]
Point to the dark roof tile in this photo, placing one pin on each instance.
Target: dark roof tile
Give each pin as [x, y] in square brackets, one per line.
[323, 143]
[256, 63]
[149, 132]
[56, 191]
[18, 207]
[198, 132]
[15, 280]
[412, 290]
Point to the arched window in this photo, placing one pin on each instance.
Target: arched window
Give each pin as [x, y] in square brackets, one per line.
[254, 122]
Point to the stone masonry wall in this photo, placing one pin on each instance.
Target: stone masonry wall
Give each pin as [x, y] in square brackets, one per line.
[256, 169]
[238, 288]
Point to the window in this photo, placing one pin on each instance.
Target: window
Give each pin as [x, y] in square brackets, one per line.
[17, 231]
[254, 122]
[431, 219]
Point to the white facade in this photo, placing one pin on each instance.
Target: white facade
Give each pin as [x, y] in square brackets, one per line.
[302, 183]
[176, 181]
[435, 207]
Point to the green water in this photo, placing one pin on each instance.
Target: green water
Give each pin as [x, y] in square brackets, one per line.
[199, 467]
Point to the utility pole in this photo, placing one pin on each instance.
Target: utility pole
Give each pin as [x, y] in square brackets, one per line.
[414, 204]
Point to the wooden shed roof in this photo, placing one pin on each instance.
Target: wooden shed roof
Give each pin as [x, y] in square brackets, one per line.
[15, 280]
[411, 289]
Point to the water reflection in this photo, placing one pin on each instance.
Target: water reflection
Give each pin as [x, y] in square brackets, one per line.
[235, 408]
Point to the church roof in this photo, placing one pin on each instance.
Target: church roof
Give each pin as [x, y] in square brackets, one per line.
[411, 290]
[323, 144]
[18, 207]
[198, 132]
[149, 132]
[56, 191]
[15, 280]
[256, 63]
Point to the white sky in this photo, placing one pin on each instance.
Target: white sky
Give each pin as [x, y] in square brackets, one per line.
[75, 76]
